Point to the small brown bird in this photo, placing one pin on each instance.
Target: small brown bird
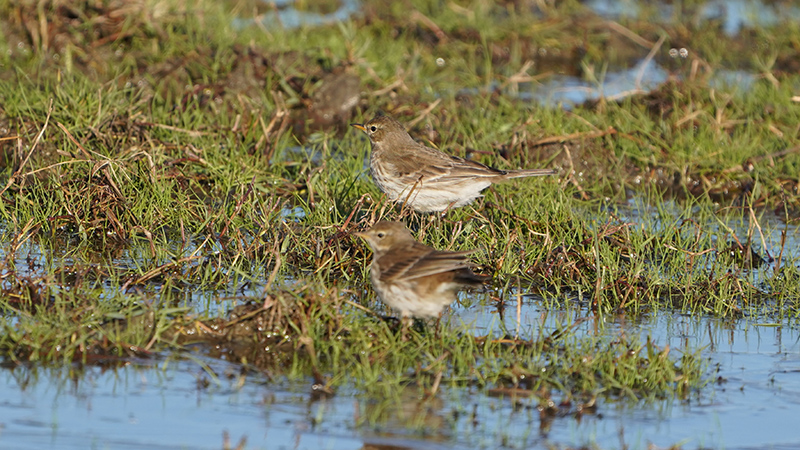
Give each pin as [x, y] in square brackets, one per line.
[427, 179]
[416, 280]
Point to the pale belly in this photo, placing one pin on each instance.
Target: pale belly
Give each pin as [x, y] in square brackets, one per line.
[434, 195]
[403, 298]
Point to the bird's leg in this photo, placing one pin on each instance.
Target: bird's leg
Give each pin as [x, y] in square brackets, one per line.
[407, 322]
[386, 319]
[403, 210]
[446, 210]
[435, 218]
[407, 200]
[423, 225]
[436, 327]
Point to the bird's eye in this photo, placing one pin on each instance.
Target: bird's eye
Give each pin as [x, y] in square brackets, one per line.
[373, 128]
[381, 234]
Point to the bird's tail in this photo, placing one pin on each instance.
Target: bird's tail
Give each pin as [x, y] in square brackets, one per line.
[468, 277]
[529, 173]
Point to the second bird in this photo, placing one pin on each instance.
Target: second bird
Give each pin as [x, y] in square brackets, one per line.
[424, 178]
[414, 279]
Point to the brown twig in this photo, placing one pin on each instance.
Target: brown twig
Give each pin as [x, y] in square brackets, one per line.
[647, 60]
[425, 20]
[425, 112]
[33, 147]
[99, 165]
[628, 33]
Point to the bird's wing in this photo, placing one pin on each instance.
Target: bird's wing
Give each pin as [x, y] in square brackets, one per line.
[429, 165]
[421, 261]
[468, 168]
[439, 262]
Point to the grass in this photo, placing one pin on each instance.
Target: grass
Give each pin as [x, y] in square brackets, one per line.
[156, 160]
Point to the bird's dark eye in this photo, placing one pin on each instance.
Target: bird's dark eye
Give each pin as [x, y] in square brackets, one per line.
[381, 234]
[373, 128]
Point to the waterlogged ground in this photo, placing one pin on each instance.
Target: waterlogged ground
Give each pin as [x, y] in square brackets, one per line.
[178, 264]
[190, 401]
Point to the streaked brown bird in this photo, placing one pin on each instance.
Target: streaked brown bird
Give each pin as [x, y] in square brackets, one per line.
[424, 178]
[412, 278]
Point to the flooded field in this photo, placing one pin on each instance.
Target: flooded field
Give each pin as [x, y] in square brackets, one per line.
[191, 401]
[181, 191]
[188, 399]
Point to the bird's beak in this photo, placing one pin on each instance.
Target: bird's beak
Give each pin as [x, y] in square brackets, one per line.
[360, 234]
[360, 126]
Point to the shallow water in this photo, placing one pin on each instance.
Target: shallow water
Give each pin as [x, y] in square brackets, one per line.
[178, 403]
[285, 15]
[734, 15]
[564, 90]
[753, 405]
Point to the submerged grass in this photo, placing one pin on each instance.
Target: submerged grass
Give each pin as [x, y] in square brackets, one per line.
[147, 159]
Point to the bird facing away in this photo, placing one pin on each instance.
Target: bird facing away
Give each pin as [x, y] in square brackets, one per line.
[412, 278]
[424, 178]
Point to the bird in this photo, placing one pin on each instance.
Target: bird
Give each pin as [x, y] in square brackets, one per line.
[412, 278]
[426, 179]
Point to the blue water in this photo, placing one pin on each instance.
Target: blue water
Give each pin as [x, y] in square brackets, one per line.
[734, 15]
[286, 16]
[191, 403]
